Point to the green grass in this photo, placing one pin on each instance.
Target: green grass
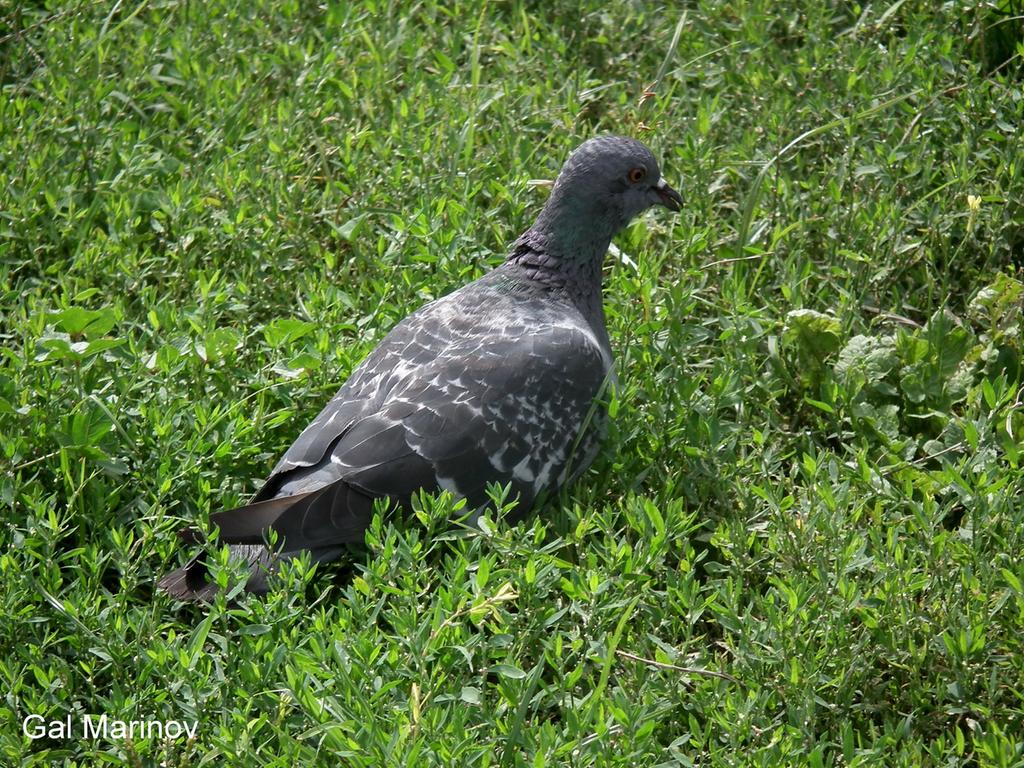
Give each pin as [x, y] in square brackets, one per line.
[210, 212]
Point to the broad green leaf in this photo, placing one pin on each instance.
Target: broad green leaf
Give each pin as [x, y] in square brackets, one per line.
[871, 356]
[286, 330]
[812, 333]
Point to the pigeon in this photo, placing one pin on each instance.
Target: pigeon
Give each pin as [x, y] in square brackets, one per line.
[499, 382]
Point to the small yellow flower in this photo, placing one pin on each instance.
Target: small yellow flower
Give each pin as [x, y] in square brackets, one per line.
[973, 207]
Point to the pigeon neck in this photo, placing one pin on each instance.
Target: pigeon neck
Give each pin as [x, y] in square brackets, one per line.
[565, 250]
[574, 229]
[573, 272]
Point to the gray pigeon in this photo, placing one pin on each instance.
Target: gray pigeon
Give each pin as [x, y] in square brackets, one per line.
[494, 383]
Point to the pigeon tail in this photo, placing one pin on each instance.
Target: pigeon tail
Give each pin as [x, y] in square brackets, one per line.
[192, 582]
[322, 522]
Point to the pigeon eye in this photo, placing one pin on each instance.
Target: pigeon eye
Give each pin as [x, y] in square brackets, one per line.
[636, 175]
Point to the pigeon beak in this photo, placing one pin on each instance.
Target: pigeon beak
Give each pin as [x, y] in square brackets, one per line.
[668, 196]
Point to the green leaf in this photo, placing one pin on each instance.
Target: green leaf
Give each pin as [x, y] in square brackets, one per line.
[102, 345]
[507, 670]
[221, 343]
[349, 230]
[254, 629]
[998, 304]
[884, 418]
[78, 321]
[873, 357]
[305, 362]
[286, 330]
[814, 334]
[949, 342]
[938, 374]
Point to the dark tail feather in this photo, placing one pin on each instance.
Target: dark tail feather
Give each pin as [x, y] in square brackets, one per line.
[321, 522]
[337, 513]
[192, 582]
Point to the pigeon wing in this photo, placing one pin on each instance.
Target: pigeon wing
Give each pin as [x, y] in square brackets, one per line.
[509, 410]
[415, 341]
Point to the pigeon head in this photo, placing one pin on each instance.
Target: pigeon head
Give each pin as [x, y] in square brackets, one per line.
[605, 183]
[618, 177]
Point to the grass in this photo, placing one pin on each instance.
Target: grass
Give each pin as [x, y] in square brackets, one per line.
[210, 212]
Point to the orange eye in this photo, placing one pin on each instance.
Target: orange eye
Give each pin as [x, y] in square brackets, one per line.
[637, 174]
